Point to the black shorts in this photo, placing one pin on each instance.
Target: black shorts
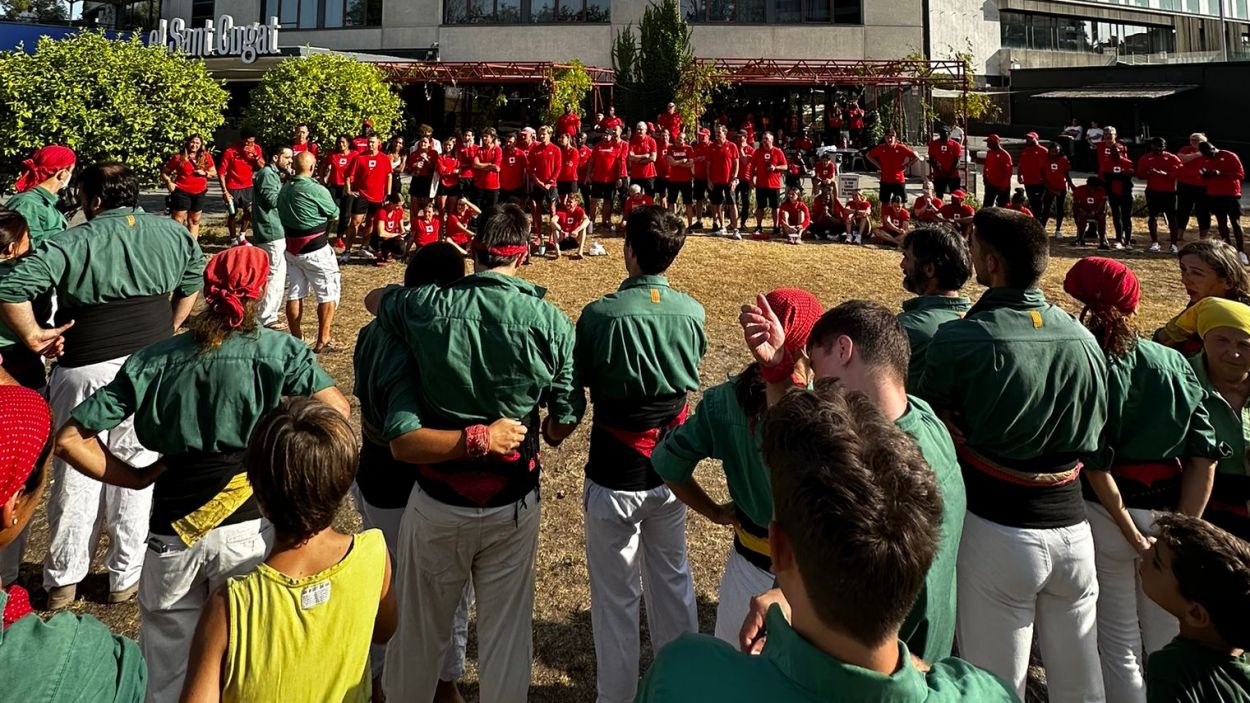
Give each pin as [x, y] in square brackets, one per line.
[602, 191]
[242, 198]
[419, 187]
[718, 193]
[566, 187]
[1161, 202]
[683, 188]
[950, 184]
[889, 190]
[182, 201]
[361, 206]
[700, 189]
[661, 187]
[513, 196]
[647, 185]
[451, 191]
[1225, 206]
[544, 196]
[486, 198]
[767, 197]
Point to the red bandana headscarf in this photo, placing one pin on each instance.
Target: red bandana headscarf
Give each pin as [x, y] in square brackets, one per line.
[798, 311]
[233, 277]
[1103, 284]
[42, 165]
[25, 425]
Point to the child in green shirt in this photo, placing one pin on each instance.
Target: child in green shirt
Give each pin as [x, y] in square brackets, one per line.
[1200, 574]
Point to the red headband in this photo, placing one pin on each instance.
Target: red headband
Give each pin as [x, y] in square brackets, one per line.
[506, 251]
[42, 165]
[233, 276]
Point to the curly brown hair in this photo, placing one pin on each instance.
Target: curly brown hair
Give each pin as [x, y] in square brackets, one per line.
[1222, 258]
[1116, 332]
[209, 329]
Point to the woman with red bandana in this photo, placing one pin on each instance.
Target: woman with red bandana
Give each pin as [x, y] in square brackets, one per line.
[186, 176]
[69, 657]
[195, 398]
[1159, 454]
[45, 174]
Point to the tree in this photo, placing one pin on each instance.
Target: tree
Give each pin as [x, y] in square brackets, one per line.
[47, 11]
[568, 86]
[106, 99]
[330, 92]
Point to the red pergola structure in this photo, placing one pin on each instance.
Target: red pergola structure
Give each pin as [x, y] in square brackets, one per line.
[496, 72]
[895, 73]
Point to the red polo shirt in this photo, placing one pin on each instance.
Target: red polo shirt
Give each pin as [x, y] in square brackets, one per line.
[489, 180]
[721, 160]
[605, 162]
[392, 219]
[951, 211]
[569, 164]
[425, 231]
[1055, 174]
[795, 213]
[680, 174]
[634, 201]
[669, 122]
[421, 163]
[1170, 164]
[239, 162]
[997, 169]
[1228, 182]
[640, 145]
[306, 146]
[892, 160]
[545, 163]
[448, 170]
[661, 164]
[465, 154]
[856, 117]
[454, 233]
[898, 219]
[1089, 199]
[946, 154]
[826, 170]
[926, 208]
[762, 163]
[568, 219]
[1108, 153]
[1190, 173]
[360, 144]
[700, 160]
[569, 124]
[745, 171]
[858, 207]
[184, 172]
[822, 210]
[370, 174]
[1033, 165]
[512, 166]
[610, 123]
[340, 166]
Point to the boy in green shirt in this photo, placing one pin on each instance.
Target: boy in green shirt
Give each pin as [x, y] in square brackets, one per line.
[935, 266]
[267, 231]
[856, 526]
[1200, 574]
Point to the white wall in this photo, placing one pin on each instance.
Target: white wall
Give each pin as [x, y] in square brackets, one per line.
[958, 25]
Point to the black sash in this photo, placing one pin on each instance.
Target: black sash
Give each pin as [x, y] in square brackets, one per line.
[384, 481]
[616, 463]
[306, 241]
[489, 482]
[190, 480]
[114, 329]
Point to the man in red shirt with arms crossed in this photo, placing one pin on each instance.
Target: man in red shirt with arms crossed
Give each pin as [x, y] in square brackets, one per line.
[642, 155]
[1159, 169]
[722, 173]
[238, 163]
[1056, 176]
[368, 182]
[1223, 172]
[513, 165]
[545, 160]
[768, 163]
[1032, 170]
[893, 158]
[945, 155]
[997, 174]
[680, 158]
[486, 166]
[605, 176]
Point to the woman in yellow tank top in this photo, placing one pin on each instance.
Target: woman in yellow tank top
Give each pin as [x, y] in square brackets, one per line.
[292, 630]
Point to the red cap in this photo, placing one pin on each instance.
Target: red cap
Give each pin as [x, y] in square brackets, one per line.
[798, 311]
[1102, 284]
[993, 139]
[1032, 135]
[959, 194]
[705, 132]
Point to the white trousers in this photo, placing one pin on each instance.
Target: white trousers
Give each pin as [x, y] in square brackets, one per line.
[387, 520]
[441, 548]
[177, 581]
[742, 580]
[275, 292]
[77, 505]
[1011, 580]
[1130, 625]
[635, 543]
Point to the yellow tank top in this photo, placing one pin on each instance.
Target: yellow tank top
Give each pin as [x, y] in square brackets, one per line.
[305, 639]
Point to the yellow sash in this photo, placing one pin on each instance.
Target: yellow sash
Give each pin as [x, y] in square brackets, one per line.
[759, 545]
[194, 526]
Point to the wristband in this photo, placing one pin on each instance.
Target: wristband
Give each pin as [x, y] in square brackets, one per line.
[476, 441]
[779, 372]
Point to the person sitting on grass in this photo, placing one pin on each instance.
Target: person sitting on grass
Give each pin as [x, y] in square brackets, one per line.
[957, 213]
[388, 230]
[1019, 202]
[457, 224]
[1200, 574]
[297, 622]
[927, 207]
[793, 216]
[1089, 210]
[570, 223]
[894, 222]
[636, 198]
[855, 527]
[426, 226]
[859, 217]
[828, 214]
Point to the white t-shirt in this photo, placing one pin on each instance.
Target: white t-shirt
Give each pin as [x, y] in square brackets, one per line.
[958, 134]
[1093, 135]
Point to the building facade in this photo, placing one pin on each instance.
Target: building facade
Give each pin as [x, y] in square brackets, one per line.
[561, 30]
[1006, 34]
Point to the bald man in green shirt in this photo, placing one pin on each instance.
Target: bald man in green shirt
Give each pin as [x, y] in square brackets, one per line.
[857, 521]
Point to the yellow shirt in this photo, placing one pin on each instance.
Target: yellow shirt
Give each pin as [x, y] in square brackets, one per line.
[305, 639]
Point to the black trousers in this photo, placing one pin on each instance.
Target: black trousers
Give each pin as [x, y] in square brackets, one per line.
[1122, 215]
[1191, 199]
[1052, 205]
[995, 197]
[1036, 193]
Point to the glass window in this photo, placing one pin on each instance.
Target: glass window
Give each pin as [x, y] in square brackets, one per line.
[848, 12]
[818, 11]
[308, 14]
[1014, 30]
[289, 12]
[788, 11]
[334, 13]
[271, 10]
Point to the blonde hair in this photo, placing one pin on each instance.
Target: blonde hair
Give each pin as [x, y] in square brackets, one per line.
[1200, 136]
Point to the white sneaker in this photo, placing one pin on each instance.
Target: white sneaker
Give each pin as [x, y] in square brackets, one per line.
[722, 232]
[542, 250]
[857, 239]
[793, 239]
[596, 249]
[736, 235]
[345, 257]
[1119, 246]
[1244, 261]
[1154, 246]
[364, 253]
[1174, 250]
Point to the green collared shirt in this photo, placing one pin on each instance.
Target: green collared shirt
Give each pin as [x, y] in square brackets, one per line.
[929, 629]
[921, 318]
[1185, 671]
[7, 337]
[385, 384]
[304, 204]
[488, 346]
[1024, 378]
[1232, 426]
[69, 657]
[1156, 410]
[643, 341]
[790, 669]
[38, 207]
[118, 254]
[266, 222]
[720, 430]
[185, 400]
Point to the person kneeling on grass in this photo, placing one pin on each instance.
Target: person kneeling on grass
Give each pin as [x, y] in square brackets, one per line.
[1089, 209]
[388, 230]
[457, 224]
[1019, 202]
[293, 629]
[1200, 574]
[958, 214]
[828, 215]
[858, 209]
[570, 223]
[856, 524]
[894, 222]
[793, 217]
[636, 199]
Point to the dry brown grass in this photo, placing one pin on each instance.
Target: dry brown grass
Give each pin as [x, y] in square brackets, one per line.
[722, 275]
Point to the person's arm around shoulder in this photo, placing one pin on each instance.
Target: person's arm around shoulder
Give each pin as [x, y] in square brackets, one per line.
[208, 652]
[564, 411]
[387, 619]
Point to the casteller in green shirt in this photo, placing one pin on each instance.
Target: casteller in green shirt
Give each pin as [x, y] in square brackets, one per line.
[38, 206]
[266, 220]
[921, 318]
[1231, 489]
[790, 669]
[305, 205]
[1186, 671]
